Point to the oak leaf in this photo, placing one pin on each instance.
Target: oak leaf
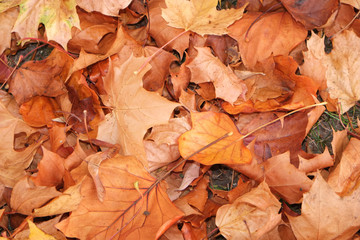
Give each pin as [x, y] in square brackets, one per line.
[206, 128]
[250, 216]
[58, 16]
[205, 67]
[127, 212]
[200, 16]
[326, 215]
[135, 109]
[274, 34]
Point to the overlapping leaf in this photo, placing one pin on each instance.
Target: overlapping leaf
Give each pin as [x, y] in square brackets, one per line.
[208, 127]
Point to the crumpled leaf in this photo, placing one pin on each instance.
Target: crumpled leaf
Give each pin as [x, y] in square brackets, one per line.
[162, 144]
[342, 67]
[274, 34]
[127, 212]
[205, 67]
[206, 128]
[41, 78]
[250, 216]
[7, 20]
[326, 215]
[135, 109]
[200, 16]
[58, 16]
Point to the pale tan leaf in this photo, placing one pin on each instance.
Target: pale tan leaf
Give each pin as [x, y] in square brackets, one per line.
[250, 216]
[200, 16]
[208, 68]
[135, 109]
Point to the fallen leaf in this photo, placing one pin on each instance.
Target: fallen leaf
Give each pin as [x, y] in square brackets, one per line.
[105, 7]
[344, 178]
[26, 196]
[51, 170]
[319, 161]
[326, 215]
[135, 109]
[311, 13]
[127, 211]
[161, 145]
[41, 78]
[13, 163]
[205, 67]
[7, 20]
[274, 34]
[39, 111]
[37, 234]
[58, 16]
[206, 128]
[162, 32]
[285, 179]
[250, 216]
[68, 201]
[200, 16]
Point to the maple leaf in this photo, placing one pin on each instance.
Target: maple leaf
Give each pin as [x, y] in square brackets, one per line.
[325, 214]
[58, 16]
[285, 178]
[13, 163]
[200, 16]
[274, 34]
[105, 7]
[342, 67]
[123, 213]
[207, 68]
[250, 216]
[135, 109]
[162, 32]
[206, 128]
[7, 20]
[344, 178]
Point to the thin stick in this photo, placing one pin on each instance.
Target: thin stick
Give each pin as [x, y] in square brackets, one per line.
[163, 177]
[51, 44]
[157, 52]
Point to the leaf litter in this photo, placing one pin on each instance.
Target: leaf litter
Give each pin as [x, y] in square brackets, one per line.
[122, 137]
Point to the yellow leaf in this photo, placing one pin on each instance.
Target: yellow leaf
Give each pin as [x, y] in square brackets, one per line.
[200, 16]
[58, 16]
[207, 127]
[37, 234]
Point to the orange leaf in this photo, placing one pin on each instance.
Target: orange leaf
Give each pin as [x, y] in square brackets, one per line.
[124, 213]
[207, 127]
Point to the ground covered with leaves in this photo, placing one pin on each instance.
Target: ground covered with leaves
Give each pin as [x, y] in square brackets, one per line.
[177, 119]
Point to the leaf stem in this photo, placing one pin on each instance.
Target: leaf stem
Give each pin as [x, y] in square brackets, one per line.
[51, 44]
[158, 51]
